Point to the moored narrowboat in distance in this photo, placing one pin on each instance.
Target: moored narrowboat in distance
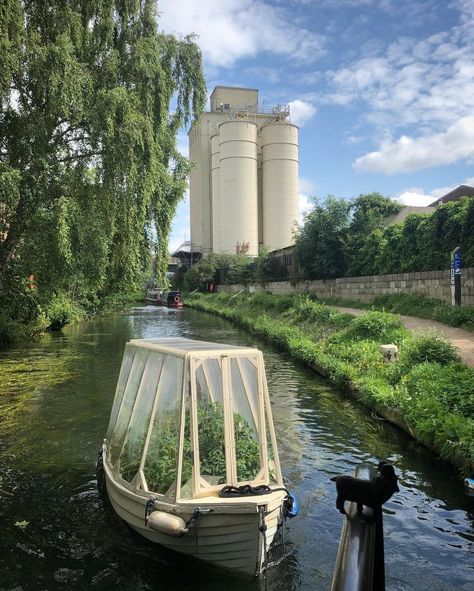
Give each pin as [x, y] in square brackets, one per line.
[154, 297]
[190, 460]
[172, 299]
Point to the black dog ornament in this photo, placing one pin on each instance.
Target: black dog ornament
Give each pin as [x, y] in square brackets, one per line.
[370, 493]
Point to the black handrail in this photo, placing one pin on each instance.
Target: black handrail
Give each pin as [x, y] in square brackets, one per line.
[360, 564]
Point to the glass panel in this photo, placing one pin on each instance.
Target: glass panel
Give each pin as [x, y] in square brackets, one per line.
[134, 442]
[122, 382]
[187, 469]
[244, 392]
[161, 458]
[210, 418]
[123, 417]
[272, 474]
[214, 375]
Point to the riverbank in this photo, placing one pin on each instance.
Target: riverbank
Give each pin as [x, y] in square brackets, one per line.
[28, 316]
[429, 393]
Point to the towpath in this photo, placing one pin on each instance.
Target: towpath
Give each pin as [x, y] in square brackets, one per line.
[462, 339]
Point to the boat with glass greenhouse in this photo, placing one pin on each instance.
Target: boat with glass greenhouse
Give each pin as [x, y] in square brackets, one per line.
[190, 459]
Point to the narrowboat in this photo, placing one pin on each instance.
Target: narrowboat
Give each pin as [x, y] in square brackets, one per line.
[190, 459]
[154, 297]
[172, 299]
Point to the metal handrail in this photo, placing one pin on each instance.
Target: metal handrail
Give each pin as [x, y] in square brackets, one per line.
[360, 558]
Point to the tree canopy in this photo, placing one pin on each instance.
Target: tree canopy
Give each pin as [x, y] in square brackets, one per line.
[92, 96]
[330, 241]
[353, 238]
[320, 241]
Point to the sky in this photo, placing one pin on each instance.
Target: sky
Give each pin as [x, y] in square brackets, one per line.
[382, 90]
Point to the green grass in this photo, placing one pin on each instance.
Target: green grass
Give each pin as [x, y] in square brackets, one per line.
[428, 390]
[414, 305]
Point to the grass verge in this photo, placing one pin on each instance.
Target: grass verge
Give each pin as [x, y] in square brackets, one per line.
[428, 392]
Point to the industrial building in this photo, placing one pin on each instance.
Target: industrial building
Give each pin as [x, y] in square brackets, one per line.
[244, 182]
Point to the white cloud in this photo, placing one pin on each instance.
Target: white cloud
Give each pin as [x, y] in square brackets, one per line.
[272, 75]
[301, 111]
[408, 154]
[414, 83]
[354, 139]
[306, 205]
[417, 196]
[424, 86]
[306, 185]
[229, 30]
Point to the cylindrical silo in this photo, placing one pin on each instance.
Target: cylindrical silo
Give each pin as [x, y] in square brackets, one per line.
[280, 183]
[260, 189]
[239, 209]
[216, 193]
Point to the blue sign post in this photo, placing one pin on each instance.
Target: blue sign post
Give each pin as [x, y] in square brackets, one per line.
[456, 266]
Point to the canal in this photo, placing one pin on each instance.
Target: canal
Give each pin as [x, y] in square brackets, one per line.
[55, 533]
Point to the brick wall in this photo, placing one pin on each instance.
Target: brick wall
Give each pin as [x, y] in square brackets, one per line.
[433, 284]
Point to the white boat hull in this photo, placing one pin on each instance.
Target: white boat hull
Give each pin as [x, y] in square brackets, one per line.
[229, 537]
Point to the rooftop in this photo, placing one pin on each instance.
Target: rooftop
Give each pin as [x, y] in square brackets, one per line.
[181, 346]
[233, 88]
[455, 195]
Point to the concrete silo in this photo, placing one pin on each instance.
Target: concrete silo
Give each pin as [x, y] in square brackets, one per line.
[280, 183]
[238, 188]
[260, 189]
[216, 193]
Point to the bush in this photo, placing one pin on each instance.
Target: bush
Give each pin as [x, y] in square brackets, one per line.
[61, 311]
[431, 348]
[313, 311]
[452, 385]
[380, 327]
[438, 402]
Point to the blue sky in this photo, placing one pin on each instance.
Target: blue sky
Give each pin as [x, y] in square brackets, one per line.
[383, 90]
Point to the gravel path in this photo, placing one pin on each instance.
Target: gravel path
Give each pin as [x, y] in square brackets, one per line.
[462, 339]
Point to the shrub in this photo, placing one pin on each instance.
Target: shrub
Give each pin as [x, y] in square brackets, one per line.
[60, 311]
[379, 327]
[310, 310]
[452, 385]
[7, 330]
[432, 348]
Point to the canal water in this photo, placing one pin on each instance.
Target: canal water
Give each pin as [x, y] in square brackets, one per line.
[55, 533]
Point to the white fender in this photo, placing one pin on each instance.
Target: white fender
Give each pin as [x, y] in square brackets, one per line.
[168, 524]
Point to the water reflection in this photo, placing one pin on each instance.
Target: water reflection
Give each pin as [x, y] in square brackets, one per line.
[72, 541]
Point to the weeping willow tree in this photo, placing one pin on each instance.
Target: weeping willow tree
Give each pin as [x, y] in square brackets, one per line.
[92, 97]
